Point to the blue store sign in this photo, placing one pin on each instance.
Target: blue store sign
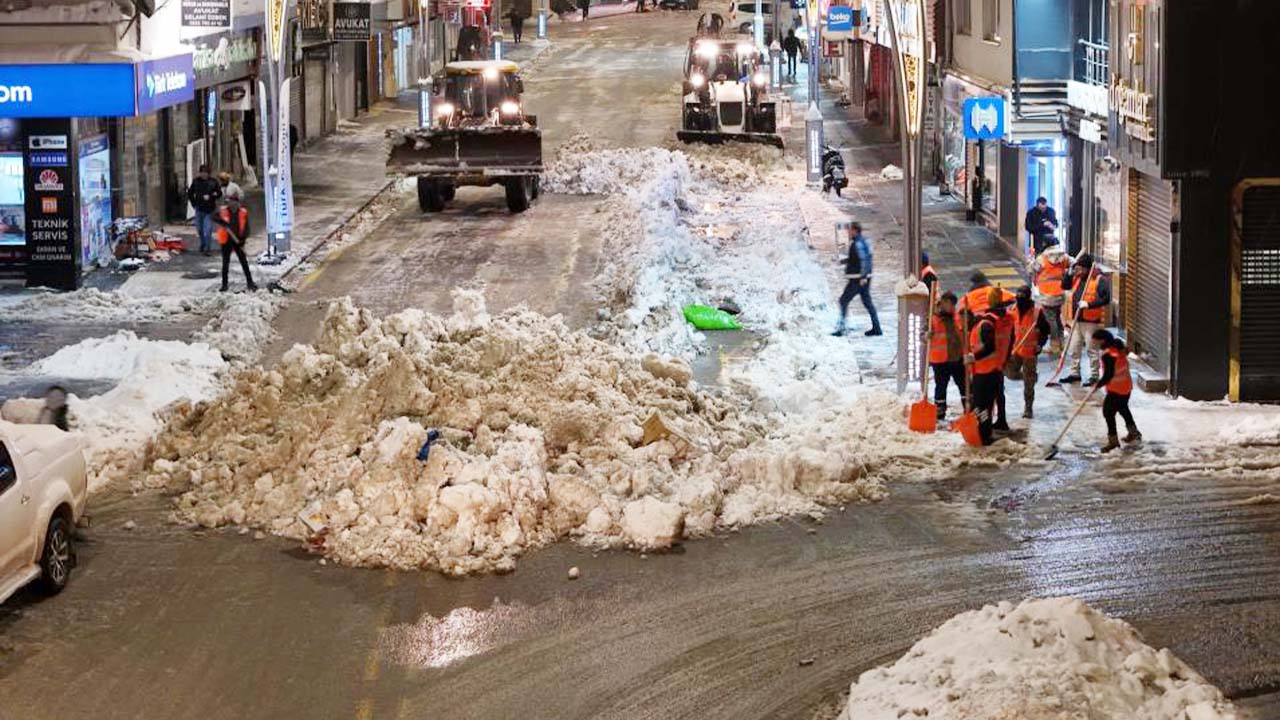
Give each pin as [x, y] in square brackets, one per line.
[165, 82]
[839, 19]
[95, 89]
[59, 91]
[984, 118]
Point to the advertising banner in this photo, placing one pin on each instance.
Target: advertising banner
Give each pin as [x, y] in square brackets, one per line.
[206, 13]
[165, 82]
[351, 21]
[52, 255]
[282, 205]
[61, 91]
[93, 162]
[222, 58]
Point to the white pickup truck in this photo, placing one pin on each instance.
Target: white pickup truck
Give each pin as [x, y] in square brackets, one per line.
[43, 488]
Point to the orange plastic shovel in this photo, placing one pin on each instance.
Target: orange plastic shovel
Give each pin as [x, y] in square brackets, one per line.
[967, 424]
[923, 416]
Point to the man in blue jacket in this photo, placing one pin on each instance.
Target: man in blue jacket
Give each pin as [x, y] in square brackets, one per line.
[857, 268]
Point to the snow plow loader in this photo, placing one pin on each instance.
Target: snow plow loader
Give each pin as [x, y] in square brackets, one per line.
[479, 135]
[726, 94]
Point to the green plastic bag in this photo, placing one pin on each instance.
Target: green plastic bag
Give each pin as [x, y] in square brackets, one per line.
[709, 318]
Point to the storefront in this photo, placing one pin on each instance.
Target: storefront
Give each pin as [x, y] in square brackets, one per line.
[60, 160]
[971, 168]
[312, 90]
[226, 71]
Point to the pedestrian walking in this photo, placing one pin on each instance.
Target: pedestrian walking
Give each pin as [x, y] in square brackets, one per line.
[229, 185]
[203, 194]
[946, 352]
[1042, 223]
[1031, 332]
[585, 7]
[1047, 271]
[517, 23]
[791, 45]
[857, 270]
[54, 411]
[1090, 293]
[985, 356]
[232, 220]
[1118, 382]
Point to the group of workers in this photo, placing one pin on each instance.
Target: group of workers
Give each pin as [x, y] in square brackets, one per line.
[990, 334]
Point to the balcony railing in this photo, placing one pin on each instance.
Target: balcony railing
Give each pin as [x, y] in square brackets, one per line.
[1096, 63]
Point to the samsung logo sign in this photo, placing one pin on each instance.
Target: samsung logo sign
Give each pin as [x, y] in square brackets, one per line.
[16, 94]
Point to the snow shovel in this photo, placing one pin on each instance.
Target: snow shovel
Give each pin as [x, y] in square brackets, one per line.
[923, 417]
[1066, 346]
[967, 424]
[1053, 449]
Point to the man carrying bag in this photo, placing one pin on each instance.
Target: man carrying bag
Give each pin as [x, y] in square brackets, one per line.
[232, 221]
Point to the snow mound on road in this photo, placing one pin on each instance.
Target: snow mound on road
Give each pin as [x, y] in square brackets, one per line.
[1052, 659]
[581, 169]
[542, 434]
[152, 375]
[90, 305]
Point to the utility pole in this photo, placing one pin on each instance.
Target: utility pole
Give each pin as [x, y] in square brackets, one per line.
[424, 64]
[543, 14]
[813, 131]
[757, 25]
[274, 124]
[906, 21]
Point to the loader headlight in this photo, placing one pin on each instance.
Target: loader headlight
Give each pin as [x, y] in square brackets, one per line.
[490, 73]
[444, 109]
[510, 107]
[707, 49]
[697, 80]
[760, 79]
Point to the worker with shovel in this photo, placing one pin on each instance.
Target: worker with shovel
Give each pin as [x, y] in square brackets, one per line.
[946, 351]
[1090, 293]
[1031, 332]
[1119, 385]
[988, 348]
[1047, 272]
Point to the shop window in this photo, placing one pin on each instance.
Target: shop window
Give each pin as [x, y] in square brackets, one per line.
[962, 13]
[991, 20]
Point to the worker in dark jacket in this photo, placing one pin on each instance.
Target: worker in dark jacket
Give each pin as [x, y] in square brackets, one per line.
[985, 356]
[1042, 223]
[1031, 333]
[1090, 293]
[1119, 385]
[857, 270]
[946, 351]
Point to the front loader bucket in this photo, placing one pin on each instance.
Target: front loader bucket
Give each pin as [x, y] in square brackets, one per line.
[711, 137]
[488, 150]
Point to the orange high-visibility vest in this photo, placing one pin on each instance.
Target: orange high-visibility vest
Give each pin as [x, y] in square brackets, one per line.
[938, 339]
[1090, 295]
[993, 362]
[1027, 341]
[1121, 382]
[1049, 276]
[241, 225]
[975, 301]
[1004, 336]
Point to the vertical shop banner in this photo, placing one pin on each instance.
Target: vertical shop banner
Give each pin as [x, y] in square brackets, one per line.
[277, 23]
[351, 21]
[206, 13]
[283, 203]
[264, 137]
[52, 255]
[93, 165]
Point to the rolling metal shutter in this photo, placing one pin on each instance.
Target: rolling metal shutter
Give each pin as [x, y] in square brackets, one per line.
[1150, 271]
[317, 75]
[1260, 295]
[296, 117]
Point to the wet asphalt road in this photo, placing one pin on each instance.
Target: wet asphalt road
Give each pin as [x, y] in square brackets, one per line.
[163, 622]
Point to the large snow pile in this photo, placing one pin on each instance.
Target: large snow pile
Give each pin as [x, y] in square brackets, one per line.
[152, 375]
[541, 437]
[90, 305]
[1052, 659]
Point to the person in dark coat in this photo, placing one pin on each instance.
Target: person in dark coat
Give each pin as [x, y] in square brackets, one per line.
[517, 22]
[1042, 223]
[791, 46]
[585, 7]
[203, 194]
[857, 268]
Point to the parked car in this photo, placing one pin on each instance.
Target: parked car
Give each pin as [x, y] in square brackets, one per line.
[746, 16]
[43, 491]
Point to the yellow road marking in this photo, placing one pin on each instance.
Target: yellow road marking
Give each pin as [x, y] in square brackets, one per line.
[372, 662]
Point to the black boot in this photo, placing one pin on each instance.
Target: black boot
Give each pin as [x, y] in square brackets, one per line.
[1113, 442]
[1133, 436]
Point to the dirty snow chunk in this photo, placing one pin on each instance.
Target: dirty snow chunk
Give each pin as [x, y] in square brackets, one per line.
[673, 369]
[649, 523]
[1051, 659]
[574, 573]
[891, 172]
[24, 411]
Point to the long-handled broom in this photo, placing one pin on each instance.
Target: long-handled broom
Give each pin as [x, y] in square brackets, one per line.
[1053, 449]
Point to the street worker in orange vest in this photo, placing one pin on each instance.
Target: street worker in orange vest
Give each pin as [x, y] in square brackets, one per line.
[975, 301]
[1031, 332]
[1046, 272]
[928, 275]
[986, 354]
[1090, 293]
[946, 351]
[232, 223]
[1119, 385]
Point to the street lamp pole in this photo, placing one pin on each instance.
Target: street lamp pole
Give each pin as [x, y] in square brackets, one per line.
[543, 17]
[274, 126]
[906, 22]
[424, 64]
[813, 128]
